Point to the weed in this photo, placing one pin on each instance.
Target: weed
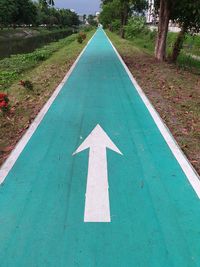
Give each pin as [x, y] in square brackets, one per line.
[27, 84]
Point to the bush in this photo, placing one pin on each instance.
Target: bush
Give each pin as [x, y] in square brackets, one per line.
[83, 35]
[153, 34]
[79, 39]
[88, 28]
[135, 26]
[116, 25]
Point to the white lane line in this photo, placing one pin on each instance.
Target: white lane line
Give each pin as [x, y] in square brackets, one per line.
[97, 204]
[187, 168]
[9, 163]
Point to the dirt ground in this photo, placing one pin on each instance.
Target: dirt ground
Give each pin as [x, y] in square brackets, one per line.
[174, 92]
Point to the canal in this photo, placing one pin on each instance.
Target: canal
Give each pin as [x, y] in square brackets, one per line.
[12, 46]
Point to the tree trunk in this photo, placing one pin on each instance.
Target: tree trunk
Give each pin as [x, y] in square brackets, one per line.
[178, 44]
[164, 15]
[124, 18]
[122, 31]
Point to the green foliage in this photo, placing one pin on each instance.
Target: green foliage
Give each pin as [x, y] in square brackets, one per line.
[91, 20]
[135, 26]
[110, 12]
[87, 28]
[6, 77]
[152, 35]
[7, 10]
[19, 12]
[120, 10]
[189, 63]
[191, 44]
[187, 14]
[79, 39]
[53, 17]
[116, 25]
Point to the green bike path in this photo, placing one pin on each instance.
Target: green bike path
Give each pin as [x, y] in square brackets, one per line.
[149, 217]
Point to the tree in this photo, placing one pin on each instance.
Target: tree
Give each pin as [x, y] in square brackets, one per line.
[20, 12]
[7, 9]
[110, 12]
[25, 12]
[188, 17]
[57, 17]
[92, 20]
[165, 8]
[186, 13]
[113, 10]
[17, 12]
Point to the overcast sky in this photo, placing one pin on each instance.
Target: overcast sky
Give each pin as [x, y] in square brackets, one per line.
[80, 6]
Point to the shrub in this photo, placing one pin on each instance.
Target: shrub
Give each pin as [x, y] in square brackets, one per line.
[153, 34]
[83, 35]
[88, 28]
[4, 107]
[116, 25]
[135, 26]
[79, 39]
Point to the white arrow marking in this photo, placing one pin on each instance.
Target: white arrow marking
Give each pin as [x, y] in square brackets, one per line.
[97, 206]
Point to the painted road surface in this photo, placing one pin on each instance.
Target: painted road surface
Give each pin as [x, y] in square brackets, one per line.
[98, 139]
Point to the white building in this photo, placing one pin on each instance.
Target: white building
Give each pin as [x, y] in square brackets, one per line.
[153, 19]
[150, 15]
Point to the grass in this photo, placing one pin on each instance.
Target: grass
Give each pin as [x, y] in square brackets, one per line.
[45, 69]
[146, 42]
[191, 43]
[174, 92]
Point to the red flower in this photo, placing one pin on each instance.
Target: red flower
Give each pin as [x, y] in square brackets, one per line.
[3, 104]
[2, 96]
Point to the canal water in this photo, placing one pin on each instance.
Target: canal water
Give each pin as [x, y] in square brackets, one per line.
[29, 44]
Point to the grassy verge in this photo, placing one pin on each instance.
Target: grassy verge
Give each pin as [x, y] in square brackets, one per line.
[174, 92]
[13, 68]
[45, 75]
[146, 42]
